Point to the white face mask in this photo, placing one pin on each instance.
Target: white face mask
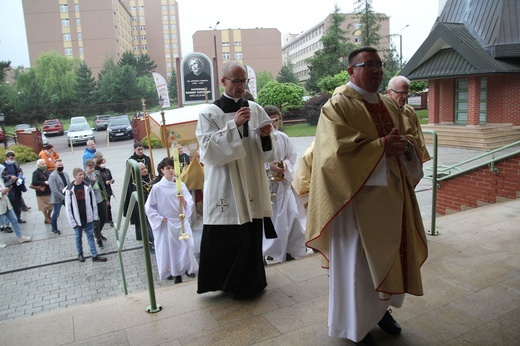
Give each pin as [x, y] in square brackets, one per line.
[102, 165]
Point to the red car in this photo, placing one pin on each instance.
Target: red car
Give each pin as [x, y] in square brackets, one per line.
[53, 126]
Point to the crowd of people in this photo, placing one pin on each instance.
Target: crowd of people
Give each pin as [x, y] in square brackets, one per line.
[359, 209]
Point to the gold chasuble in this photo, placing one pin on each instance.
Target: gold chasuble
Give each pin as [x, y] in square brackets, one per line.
[350, 142]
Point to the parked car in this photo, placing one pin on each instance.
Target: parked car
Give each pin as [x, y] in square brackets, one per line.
[119, 126]
[27, 127]
[53, 126]
[79, 133]
[101, 122]
[78, 120]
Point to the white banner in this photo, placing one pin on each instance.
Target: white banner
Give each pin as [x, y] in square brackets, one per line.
[162, 89]
[252, 81]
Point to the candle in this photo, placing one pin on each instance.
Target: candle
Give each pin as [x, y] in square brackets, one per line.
[177, 169]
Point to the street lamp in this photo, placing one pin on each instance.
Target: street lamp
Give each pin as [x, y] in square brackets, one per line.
[401, 47]
[163, 128]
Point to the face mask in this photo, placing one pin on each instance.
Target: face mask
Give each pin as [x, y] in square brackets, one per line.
[102, 165]
[60, 169]
[10, 161]
[42, 167]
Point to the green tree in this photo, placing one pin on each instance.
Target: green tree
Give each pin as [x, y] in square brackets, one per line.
[391, 59]
[49, 86]
[172, 87]
[128, 59]
[329, 83]
[262, 78]
[418, 86]
[279, 94]
[332, 58]
[145, 65]
[85, 85]
[369, 20]
[286, 74]
[4, 65]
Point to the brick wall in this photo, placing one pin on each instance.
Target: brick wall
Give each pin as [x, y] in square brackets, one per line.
[503, 95]
[480, 185]
[447, 100]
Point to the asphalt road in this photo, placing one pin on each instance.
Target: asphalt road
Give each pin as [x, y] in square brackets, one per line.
[60, 142]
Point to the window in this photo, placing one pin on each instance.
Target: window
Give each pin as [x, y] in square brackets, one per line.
[238, 55]
[167, 46]
[357, 39]
[65, 22]
[225, 44]
[357, 26]
[141, 19]
[164, 7]
[174, 36]
[172, 7]
[164, 17]
[66, 37]
[167, 55]
[134, 38]
[136, 48]
[78, 22]
[141, 9]
[134, 28]
[143, 37]
[80, 50]
[166, 37]
[134, 19]
[133, 9]
[168, 64]
[80, 36]
[165, 27]
[144, 48]
[64, 8]
[172, 17]
[76, 7]
[174, 45]
[225, 56]
[143, 27]
[237, 43]
[174, 26]
[68, 51]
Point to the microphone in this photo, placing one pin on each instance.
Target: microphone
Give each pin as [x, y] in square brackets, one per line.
[245, 126]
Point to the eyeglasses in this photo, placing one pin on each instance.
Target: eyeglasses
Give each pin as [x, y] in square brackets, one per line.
[403, 93]
[275, 119]
[370, 65]
[238, 82]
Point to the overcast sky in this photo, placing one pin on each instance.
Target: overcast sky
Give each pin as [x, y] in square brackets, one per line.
[288, 16]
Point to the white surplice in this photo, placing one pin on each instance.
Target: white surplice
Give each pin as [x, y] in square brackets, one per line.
[235, 187]
[174, 256]
[288, 212]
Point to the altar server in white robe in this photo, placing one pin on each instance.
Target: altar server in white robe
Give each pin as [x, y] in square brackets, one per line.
[288, 212]
[175, 256]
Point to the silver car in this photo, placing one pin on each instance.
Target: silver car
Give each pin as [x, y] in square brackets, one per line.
[79, 133]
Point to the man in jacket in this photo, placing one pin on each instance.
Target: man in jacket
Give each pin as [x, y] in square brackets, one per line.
[58, 180]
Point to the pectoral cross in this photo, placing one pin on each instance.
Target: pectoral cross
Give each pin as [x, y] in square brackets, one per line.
[250, 199]
[222, 205]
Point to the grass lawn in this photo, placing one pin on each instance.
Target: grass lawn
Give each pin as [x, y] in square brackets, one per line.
[300, 130]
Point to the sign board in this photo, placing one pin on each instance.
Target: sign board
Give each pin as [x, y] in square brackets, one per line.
[197, 79]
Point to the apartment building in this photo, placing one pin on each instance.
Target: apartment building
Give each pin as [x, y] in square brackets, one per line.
[95, 29]
[298, 48]
[259, 48]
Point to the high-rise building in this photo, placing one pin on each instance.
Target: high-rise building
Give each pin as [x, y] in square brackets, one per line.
[96, 29]
[259, 48]
[298, 48]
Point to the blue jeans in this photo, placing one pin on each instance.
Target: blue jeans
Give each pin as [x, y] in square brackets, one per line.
[10, 214]
[89, 231]
[55, 214]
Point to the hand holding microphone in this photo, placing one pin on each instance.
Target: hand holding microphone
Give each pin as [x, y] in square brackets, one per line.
[242, 117]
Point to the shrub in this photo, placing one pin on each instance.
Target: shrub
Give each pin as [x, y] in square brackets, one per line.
[23, 153]
[156, 142]
[312, 108]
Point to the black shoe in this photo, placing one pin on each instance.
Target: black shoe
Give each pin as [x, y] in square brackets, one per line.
[7, 230]
[288, 257]
[99, 259]
[191, 275]
[55, 232]
[389, 325]
[178, 279]
[81, 258]
[100, 243]
[103, 237]
[368, 340]
[21, 221]
[269, 258]
[26, 208]
[111, 223]
[152, 249]
[170, 278]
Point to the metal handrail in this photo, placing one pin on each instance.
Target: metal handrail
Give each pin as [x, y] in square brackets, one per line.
[134, 171]
[435, 154]
[446, 171]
